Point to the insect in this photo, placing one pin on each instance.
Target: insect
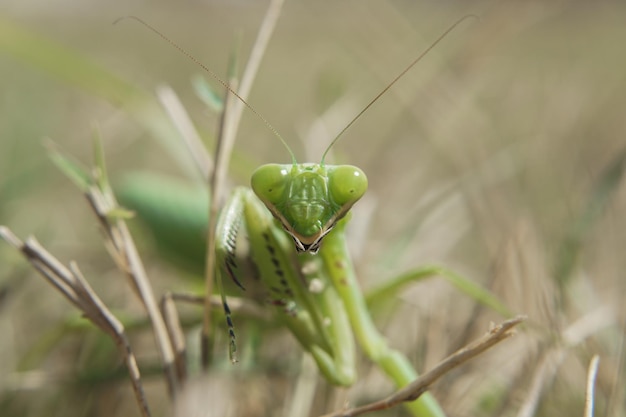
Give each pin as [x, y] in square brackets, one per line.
[294, 217]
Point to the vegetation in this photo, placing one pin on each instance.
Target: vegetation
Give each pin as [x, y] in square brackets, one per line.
[500, 156]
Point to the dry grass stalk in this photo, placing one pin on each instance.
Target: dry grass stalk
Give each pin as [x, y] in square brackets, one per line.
[73, 285]
[591, 383]
[554, 356]
[124, 252]
[229, 124]
[191, 138]
[414, 390]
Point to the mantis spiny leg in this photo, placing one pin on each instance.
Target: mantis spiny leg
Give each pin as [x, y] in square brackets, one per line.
[305, 299]
[393, 363]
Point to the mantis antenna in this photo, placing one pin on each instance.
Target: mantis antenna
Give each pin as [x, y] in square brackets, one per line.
[400, 75]
[263, 119]
[215, 76]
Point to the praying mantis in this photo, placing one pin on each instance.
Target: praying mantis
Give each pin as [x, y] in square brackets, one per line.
[294, 216]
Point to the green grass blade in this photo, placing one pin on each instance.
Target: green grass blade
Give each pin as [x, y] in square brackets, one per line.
[209, 96]
[99, 162]
[481, 295]
[603, 191]
[77, 173]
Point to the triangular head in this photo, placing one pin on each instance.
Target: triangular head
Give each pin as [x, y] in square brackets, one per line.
[308, 199]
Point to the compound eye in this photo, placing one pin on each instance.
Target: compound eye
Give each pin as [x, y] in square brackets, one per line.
[269, 181]
[346, 184]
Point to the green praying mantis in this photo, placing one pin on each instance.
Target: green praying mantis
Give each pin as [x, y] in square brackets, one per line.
[294, 216]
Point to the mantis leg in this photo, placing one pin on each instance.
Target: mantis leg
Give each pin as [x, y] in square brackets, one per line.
[312, 316]
[393, 363]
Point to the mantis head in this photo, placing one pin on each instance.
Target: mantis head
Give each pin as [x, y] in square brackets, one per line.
[308, 199]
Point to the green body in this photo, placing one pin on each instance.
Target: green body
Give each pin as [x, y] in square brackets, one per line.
[297, 211]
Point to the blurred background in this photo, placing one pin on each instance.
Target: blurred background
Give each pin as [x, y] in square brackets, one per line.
[500, 156]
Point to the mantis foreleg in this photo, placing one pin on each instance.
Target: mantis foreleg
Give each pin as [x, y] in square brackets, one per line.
[315, 317]
[339, 267]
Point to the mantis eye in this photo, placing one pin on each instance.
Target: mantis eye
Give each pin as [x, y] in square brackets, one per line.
[346, 184]
[269, 181]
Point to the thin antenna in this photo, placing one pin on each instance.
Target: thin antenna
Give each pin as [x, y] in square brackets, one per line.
[384, 90]
[215, 76]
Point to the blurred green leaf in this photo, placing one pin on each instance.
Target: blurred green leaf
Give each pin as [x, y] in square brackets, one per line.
[73, 68]
[603, 191]
[175, 212]
[63, 63]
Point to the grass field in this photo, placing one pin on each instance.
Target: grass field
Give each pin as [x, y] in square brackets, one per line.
[500, 156]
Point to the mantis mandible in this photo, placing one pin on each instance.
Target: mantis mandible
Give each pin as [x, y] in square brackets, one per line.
[295, 216]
